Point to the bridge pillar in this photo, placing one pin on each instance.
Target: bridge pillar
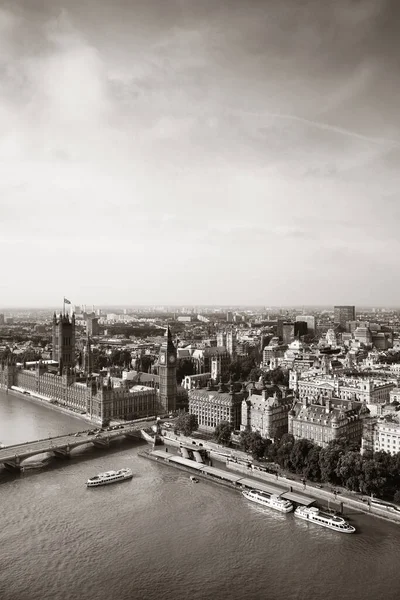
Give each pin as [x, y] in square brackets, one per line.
[13, 464]
[136, 433]
[62, 452]
[101, 442]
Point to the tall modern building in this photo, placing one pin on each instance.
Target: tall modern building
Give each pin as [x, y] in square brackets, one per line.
[343, 314]
[310, 320]
[287, 332]
[64, 340]
[92, 325]
[167, 373]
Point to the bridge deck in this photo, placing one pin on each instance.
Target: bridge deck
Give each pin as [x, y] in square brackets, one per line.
[72, 440]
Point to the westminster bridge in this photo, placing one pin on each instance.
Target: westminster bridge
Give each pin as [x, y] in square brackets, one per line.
[12, 456]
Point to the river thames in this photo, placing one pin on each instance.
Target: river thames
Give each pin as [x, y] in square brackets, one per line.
[161, 537]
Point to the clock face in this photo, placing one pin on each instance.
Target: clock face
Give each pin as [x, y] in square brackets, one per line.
[162, 359]
[171, 359]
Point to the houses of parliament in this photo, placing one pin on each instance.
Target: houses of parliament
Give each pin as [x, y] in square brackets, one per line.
[100, 397]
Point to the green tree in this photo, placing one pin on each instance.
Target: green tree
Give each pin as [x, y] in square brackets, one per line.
[257, 446]
[299, 455]
[184, 368]
[277, 376]
[252, 442]
[372, 478]
[28, 355]
[143, 364]
[242, 367]
[187, 423]
[328, 460]
[349, 469]
[245, 439]
[312, 470]
[396, 497]
[121, 358]
[284, 451]
[255, 374]
[235, 370]
[223, 433]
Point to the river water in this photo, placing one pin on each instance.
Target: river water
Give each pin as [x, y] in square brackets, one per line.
[161, 537]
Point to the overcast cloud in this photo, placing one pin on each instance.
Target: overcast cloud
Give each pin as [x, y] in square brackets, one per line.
[199, 151]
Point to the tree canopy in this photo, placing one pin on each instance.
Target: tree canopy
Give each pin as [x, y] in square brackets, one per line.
[223, 433]
[184, 368]
[339, 463]
[252, 442]
[187, 423]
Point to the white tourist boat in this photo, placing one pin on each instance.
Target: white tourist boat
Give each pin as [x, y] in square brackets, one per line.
[269, 500]
[109, 477]
[313, 514]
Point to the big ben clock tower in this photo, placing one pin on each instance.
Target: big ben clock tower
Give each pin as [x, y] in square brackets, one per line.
[167, 373]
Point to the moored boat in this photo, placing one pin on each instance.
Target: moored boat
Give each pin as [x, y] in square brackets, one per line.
[269, 500]
[109, 477]
[313, 514]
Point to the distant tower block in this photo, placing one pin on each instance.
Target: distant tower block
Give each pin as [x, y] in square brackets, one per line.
[64, 340]
[343, 314]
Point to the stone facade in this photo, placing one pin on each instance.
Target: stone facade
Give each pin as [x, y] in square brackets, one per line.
[95, 397]
[267, 413]
[191, 382]
[381, 434]
[212, 406]
[325, 420]
[64, 340]
[371, 392]
[167, 373]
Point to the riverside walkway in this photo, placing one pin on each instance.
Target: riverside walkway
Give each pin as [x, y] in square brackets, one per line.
[12, 456]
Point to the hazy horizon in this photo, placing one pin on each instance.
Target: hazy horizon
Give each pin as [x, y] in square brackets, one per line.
[202, 152]
[220, 307]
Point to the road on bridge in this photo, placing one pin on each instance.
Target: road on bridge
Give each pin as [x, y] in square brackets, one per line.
[71, 440]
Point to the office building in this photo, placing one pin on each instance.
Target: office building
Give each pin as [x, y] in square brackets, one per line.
[300, 328]
[267, 412]
[343, 314]
[326, 419]
[310, 320]
[216, 404]
[381, 435]
[92, 326]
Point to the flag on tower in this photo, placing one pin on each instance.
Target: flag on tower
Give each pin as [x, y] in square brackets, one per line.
[67, 301]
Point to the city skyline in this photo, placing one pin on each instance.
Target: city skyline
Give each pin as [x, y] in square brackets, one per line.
[199, 153]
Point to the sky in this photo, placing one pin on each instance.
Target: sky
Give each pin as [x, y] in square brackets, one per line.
[199, 152]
